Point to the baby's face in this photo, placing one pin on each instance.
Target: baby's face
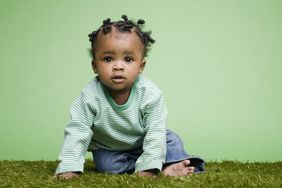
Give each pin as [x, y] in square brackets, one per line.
[118, 60]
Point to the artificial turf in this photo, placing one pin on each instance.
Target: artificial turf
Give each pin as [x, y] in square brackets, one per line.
[218, 174]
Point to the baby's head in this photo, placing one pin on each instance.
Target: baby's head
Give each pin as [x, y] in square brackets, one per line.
[122, 26]
[119, 50]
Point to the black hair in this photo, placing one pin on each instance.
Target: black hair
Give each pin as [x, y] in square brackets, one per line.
[122, 26]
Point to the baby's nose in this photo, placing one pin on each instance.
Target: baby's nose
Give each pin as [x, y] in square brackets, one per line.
[118, 66]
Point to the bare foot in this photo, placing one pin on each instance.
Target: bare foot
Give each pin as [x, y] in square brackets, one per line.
[179, 169]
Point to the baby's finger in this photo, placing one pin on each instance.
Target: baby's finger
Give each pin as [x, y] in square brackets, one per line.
[64, 177]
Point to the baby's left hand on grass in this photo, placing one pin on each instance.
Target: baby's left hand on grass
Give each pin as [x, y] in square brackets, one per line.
[147, 173]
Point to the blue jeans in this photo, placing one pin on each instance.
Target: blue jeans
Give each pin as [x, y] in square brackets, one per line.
[124, 161]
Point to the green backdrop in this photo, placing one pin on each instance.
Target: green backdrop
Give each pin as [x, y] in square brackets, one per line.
[219, 63]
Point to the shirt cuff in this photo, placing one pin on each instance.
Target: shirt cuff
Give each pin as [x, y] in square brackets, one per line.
[156, 164]
[69, 167]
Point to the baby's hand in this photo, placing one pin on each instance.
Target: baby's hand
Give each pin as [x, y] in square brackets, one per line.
[67, 175]
[147, 173]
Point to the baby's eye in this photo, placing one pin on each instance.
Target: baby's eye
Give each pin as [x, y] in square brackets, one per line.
[128, 59]
[108, 59]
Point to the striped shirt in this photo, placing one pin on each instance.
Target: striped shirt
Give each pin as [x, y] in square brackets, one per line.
[98, 122]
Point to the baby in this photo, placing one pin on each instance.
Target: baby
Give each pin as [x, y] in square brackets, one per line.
[120, 116]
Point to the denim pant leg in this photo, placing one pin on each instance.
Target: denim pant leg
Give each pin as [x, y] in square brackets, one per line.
[124, 161]
[116, 162]
[175, 152]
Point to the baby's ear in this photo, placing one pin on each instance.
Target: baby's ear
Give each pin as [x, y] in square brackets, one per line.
[94, 66]
[142, 66]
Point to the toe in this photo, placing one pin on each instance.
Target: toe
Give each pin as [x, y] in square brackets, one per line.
[186, 162]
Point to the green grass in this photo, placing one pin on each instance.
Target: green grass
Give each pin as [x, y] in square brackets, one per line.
[218, 174]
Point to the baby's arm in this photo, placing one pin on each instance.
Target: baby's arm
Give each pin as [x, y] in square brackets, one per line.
[154, 144]
[78, 135]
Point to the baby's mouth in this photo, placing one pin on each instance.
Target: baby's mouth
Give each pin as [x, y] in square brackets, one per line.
[118, 79]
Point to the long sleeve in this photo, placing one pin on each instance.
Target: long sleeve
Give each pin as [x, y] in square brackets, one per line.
[154, 144]
[77, 136]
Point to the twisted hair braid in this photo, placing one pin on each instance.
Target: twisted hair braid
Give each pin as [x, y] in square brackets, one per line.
[123, 26]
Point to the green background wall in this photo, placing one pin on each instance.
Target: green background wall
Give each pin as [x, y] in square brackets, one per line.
[219, 63]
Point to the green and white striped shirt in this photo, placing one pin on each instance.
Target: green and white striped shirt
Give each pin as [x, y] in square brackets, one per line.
[98, 122]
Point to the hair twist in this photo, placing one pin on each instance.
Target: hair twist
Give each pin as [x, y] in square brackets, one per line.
[123, 26]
